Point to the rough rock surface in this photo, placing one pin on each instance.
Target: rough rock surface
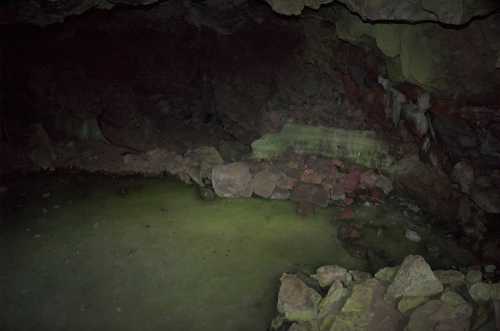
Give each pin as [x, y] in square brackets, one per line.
[414, 278]
[439, 315]
[310, 193]
[366, 309]
[264, 183]
[363, 304]
[448, 12]
[296, 301]
[232, 180]
[328, 274]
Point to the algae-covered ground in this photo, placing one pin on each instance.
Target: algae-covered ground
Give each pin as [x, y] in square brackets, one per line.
[100, 253]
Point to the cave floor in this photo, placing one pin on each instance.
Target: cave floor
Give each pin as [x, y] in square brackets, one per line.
[81, 252]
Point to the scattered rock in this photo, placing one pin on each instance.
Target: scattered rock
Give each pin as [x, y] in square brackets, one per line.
[328, 274]
[453, 298]
[386, 274]
[439, 315]
[412, 236]
[409, 303]
[296, 301]
[232, 180]
[331, 304]
[450, 278]
[414, 278]
[200, 162]
[367, 310]
[360, 276]
[310, 193]
[463, 175]
[480, 292]
[264, 183]
[474, 276]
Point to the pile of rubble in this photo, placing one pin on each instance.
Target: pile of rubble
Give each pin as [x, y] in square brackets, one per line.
[408, 297]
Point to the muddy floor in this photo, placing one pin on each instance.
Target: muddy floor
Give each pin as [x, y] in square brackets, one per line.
[91, 253]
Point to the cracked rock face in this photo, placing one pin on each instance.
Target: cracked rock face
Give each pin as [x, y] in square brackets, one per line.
[44, 12]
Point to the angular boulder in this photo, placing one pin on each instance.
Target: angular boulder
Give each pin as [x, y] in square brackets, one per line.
[440, 315]
[296, 301]
[367, 310]
[414, 278]
[264, 183]
[328, 274]
[232, 180]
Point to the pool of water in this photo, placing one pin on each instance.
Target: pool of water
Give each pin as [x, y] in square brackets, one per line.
[92, 253]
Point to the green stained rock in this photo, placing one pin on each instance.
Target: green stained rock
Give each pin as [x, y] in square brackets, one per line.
[296, 301]
[367, 310]
[331, 304]
[452, 298]
[450, 278]
[480, 292]
[414, 278]
[495, 291]
[408, 303]
[362, 147]
[386, 274]
[439, 315]
[474, 276]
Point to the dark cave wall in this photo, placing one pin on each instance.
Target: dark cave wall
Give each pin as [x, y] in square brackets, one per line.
[136, 72]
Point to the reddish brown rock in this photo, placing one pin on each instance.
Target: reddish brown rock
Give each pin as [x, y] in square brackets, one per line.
[310, 193]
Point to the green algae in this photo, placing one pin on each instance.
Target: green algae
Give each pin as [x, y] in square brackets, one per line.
[148, 254]
[155, 258]
[358, 146]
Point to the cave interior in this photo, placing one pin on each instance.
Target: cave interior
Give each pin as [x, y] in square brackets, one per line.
[178, 146]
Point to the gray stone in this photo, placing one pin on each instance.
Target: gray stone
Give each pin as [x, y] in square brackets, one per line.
[453, 298]
[360, 276]
[264, 183]
[367, 310]
[386, 274]
[331, 304]
[414, 278]
[452, 278]
[439, 315]
[328, 274]
[200, 162]
[232, 180]
[480, 292]
[409, 303]
[474, 276]
[296, 301]
[412, 236]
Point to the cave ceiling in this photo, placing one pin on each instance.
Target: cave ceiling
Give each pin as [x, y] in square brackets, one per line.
[452, 12]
